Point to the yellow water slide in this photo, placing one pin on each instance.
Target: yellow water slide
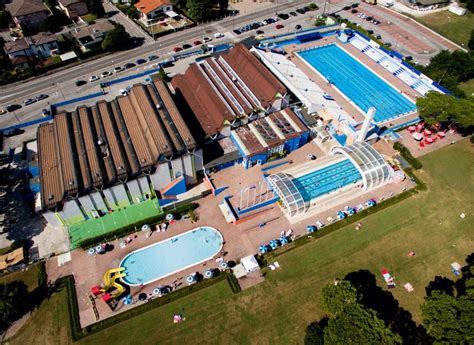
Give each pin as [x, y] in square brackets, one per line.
[110, 278]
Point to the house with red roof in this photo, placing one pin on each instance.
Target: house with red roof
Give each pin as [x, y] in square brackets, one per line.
[151, 11]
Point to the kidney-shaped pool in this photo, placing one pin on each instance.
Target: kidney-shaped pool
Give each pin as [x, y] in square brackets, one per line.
[172, 255]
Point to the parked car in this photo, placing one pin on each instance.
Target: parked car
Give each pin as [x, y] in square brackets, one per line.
[346, 8]
[298, 27]
[218, 35]
[354, 11]
[13, 107]
[41, 97]
[300, 11]
[3, 111]
[177, 49]
[197, 43]
[259, 37]
[141, 61]
[45, 112]
[311, 156]
[207, 39]
[118, 69]
[29, 101]
[283, 16]
[259, 32]
[186, 46]
[129, 65]
[93, 78]
[294, 14]
[105, 74]
[80, 82]
[237, 31]
[152, 57]
[279, 26]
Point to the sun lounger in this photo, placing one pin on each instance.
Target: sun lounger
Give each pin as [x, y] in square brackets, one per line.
[276, 264]
[272, 267]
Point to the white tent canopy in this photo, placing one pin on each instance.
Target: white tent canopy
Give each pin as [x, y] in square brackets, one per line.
[250, 263]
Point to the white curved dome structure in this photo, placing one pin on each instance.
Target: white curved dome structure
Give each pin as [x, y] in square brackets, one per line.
[369, 170]
[370, 163]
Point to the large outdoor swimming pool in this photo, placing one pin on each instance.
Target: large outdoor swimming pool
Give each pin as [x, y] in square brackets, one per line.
[164, 258]
[357, 82]
[327, 179]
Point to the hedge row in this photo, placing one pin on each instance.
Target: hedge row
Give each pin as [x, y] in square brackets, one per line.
[79, 333]
[415, 163]
[233, 283]
[129, 228]
[347, 221]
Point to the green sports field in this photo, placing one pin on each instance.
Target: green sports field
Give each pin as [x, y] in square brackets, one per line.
[278, 310]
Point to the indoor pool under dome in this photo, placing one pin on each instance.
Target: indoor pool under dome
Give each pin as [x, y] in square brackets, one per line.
[172, 255]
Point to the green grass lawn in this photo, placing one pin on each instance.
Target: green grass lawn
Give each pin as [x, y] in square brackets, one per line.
[456, 28]
[279, 309]
[29, 277]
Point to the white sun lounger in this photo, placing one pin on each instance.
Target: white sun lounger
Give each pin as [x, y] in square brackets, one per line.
[276, 264]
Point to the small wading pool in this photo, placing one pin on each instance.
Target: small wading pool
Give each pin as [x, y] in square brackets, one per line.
[172, 255]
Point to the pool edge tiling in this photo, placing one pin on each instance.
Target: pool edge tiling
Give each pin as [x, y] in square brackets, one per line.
[388, 101]
[179, 258]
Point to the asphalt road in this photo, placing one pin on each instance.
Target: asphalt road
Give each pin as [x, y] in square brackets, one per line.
[46, 83]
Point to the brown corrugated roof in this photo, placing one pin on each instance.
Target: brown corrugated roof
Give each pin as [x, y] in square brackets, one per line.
[90, 147]
[137, 136]
[254, 74]
[206, 92]
[52, 191]
[81, 151]
[175, 115]
[117, 140]
[64, 146]
[202, 99]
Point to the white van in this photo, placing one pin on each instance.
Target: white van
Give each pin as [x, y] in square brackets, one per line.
[218, 35]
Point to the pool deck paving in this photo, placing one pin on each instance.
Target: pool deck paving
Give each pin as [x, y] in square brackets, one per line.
[239, 240]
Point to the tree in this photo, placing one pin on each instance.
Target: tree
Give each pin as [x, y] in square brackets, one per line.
[95, 7]
[437, 107]
[336, 297]
[358, 325]
[116, 39]
[470, 44]
[320, 21]
[13, 302]
[5, 19]
[314, 334]
[199, 10]
[223, 5]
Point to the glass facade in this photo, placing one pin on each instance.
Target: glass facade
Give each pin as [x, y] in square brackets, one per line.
[370, 164]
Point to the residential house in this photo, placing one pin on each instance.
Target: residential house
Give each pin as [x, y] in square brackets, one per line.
[152, 11]
[91, 37]
[28, 13]
[73, 8]
[43, 44]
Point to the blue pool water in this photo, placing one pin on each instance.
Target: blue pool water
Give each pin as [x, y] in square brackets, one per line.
[172, 255]
[357, 82]
[326, 180]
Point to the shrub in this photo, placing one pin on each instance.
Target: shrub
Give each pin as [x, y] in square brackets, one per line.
[472, 139]
[233, 282]
[415, 163]
[312, 6]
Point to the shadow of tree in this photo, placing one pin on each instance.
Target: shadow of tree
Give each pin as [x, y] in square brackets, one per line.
[388, 308]
[442, 284]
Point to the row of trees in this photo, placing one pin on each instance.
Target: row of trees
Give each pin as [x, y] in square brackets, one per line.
[451, 68]
[441, 108]
[359, 312]
[202, 10]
